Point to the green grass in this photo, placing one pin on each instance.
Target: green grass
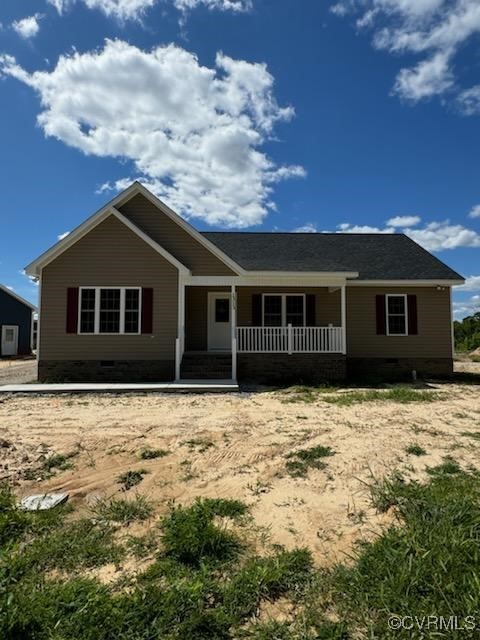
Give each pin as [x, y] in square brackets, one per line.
[415, 449]
[401, 394]
[125, 511]
[58, 461]
[201, 444]
[207, 583]
[299, 462]
[150, 454]
[130, 478]
[190, 535]
[475, 435]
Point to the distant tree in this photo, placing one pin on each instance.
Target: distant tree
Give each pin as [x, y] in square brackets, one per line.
[467, 333]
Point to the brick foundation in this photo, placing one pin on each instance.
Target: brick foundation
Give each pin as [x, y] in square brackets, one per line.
[106, 371]
[274, 368]
[398, 368]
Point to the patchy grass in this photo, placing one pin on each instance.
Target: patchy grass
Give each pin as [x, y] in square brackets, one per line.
[299, 462]
[449, 467]
[201, 444]
[58, 461]
[400, 394]
[206, 582]
[189, 534]
[415, 449]
[125, 511]
[475, 435]
[150, 454]
[131, 478]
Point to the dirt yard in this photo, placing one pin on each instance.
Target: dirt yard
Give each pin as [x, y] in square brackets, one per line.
[18, 371]
[236, 446]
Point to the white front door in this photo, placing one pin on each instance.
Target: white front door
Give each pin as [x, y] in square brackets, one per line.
[9, 340]
[219, 327]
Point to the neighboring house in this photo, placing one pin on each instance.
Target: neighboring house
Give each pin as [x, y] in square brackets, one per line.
[16, 324]
[136, 293]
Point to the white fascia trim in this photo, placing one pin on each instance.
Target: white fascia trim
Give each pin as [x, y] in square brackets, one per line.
[138, 187]
[290, 280]
[34, 268]
[405, 283]
[19, 298]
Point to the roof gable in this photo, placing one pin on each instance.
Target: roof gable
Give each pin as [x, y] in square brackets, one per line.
[34, 268]
[18, 298]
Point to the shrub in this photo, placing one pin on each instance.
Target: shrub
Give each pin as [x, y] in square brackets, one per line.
[415, 450]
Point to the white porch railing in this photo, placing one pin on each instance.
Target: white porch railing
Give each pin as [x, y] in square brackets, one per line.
[289, 339]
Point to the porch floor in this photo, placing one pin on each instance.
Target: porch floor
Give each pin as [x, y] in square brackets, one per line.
[178, 386]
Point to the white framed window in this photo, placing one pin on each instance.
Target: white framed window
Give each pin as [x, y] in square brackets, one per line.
[396, 314]
[282, 309]
[109, 310]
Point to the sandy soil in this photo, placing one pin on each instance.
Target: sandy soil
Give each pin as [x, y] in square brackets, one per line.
[18, 371]
[235, 446]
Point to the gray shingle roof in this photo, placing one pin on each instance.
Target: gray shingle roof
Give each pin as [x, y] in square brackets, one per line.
[375, 256]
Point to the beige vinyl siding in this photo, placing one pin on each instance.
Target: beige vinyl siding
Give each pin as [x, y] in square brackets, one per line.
[109, 255]
[173, 238]
[434, 324]
[327, 309]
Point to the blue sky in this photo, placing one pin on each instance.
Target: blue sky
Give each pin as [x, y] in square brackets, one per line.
[244, 114]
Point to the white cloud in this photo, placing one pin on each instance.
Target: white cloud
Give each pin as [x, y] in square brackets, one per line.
[135, 9]
[346, 227]
[468, 101]
[309, 227]
[7, 286]
[475, 212]
[195, 134]
[429, 78]
[464, 308]
[404, 221]
[432, 29]
[222, 5]
[63, 235]
[434, 236]
[472, 283]
[27, 27]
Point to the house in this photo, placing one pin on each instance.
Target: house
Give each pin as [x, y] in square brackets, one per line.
[136, 293]
[16, 324]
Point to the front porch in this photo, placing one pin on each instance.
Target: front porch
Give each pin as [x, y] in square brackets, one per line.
[246, 331]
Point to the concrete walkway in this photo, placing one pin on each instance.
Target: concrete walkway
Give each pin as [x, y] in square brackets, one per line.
[179, 386]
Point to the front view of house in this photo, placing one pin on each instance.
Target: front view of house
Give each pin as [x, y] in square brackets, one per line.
[135, 293]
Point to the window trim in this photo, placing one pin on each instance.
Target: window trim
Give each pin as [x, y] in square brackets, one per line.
[387, 314]
[283, 296]
[96, 331]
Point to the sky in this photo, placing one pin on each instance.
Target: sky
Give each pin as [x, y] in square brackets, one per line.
[261, 115]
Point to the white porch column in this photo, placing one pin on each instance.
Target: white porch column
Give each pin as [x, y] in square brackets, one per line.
[233, 325]
[344, 319]
[180, 343]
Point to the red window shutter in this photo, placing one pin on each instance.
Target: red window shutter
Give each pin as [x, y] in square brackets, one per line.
[147, 310]
[72, 310]
[257, 310]
[381, 316]
[412, 315]
[310, 319]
